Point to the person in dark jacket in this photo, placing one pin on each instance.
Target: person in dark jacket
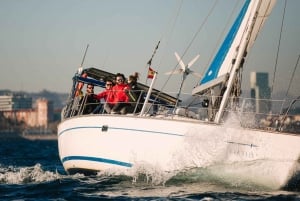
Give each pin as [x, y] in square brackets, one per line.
[89, 101]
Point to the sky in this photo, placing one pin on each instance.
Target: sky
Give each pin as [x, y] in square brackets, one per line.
[43, 42]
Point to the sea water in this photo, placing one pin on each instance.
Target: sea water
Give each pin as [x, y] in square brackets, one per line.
[31, 170]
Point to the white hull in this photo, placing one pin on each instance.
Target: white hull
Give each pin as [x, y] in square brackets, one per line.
[104, 142]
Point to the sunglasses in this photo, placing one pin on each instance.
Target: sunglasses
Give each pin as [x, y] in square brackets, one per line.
[90, 87]
[108, 84]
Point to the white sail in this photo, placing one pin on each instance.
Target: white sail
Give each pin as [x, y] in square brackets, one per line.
[264, 11]
[252, 16]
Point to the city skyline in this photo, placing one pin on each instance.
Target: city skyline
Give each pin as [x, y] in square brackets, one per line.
[43, 42]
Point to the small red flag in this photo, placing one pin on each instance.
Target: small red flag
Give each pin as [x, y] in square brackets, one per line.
[150, 73]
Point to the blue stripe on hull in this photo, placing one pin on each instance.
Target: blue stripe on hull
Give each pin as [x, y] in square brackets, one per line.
[216, 64]
[96, 159]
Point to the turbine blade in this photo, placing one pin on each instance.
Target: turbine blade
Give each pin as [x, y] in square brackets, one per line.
[196, 74]
[180, 61]
[177, 71]
[193, 61]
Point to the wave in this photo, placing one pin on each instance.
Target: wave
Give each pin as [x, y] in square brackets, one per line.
[35, 182]
[23, 175]
[141, 175]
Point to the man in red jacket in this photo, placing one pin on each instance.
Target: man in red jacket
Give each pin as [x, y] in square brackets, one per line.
[121, 100]
[107, 95]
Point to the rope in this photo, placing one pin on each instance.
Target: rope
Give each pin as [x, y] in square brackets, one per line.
[171, 29]
[292, 76]
[199, 29]
[282, 105]
[161, 38]
[278, 48]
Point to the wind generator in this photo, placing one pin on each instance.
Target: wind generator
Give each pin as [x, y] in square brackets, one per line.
[185, 71]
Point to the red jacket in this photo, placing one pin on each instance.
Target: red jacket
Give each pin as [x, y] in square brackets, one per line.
[119, 93]
[107, 95]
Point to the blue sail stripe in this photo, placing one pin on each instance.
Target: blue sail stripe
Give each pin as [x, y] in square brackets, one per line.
[96, 159]
[117, 128]
[216, 64]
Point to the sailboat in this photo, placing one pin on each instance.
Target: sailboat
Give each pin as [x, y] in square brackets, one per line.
[172, 137]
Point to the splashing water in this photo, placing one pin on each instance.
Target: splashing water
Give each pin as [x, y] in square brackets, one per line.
[22, 175]
[47, 180]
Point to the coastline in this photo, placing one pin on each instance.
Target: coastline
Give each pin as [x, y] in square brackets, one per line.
[39, 136]
[19, 135]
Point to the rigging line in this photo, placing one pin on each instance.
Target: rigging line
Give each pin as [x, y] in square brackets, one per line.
[177, 11]
[190, 44]
[199, 29]
[196, 34]
[171, 29]
[278, 49]
[161, 38]
[169, 35]
[287, 112]
[292, 78]
[285, 97]
[165, 33]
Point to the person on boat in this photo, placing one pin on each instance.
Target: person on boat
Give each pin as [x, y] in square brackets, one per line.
[76, 102]
[121, 100]
[78, 95]
[135, 94]
[78, 91]
[89, 101]
[108, 97]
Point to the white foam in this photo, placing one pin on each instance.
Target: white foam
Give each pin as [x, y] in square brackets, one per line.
[142, 172]
[21, 175]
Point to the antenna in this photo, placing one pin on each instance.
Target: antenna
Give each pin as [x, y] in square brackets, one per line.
[80, 67]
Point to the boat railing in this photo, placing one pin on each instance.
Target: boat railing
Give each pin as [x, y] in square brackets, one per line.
[276, 114]
[251, 113]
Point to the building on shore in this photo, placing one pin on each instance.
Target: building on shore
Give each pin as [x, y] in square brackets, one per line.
[260, 92]
[12, 102]
[18, 108]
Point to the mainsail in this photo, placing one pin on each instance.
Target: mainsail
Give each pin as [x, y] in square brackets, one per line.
[220, 76]
[226, 51]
